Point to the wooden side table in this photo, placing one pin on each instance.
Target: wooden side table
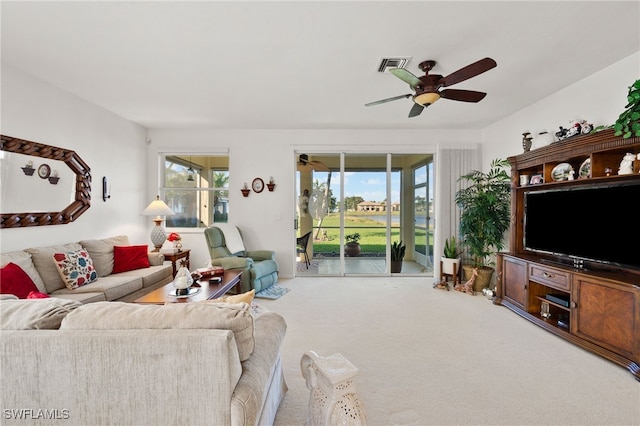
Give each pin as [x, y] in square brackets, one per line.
[173, 258]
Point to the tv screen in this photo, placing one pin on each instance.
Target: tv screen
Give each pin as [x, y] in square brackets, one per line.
[596, 223]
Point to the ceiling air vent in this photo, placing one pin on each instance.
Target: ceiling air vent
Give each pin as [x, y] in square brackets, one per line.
[388, 63]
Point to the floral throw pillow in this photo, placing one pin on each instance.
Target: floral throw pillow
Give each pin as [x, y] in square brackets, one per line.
[75, 268]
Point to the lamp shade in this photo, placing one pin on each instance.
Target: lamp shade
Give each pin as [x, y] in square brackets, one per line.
[157, 208]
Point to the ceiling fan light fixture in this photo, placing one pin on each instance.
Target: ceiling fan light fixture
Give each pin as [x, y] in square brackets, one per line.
[426, 98]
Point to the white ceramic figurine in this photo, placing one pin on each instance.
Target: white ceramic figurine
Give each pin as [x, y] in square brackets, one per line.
[626, 165]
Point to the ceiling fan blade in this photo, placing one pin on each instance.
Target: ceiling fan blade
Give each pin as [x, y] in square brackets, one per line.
[467, 72]
[382, 101]
[462, 95]
[406, 76]
[416, 110]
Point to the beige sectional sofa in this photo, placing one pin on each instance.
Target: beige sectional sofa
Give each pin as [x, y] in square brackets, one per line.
[115, 363]
[127, 286]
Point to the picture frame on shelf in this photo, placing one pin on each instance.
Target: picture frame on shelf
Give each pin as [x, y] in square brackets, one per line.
[536, 180]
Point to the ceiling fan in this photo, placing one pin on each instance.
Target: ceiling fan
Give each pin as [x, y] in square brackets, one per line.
[304, 164]
[428, 87]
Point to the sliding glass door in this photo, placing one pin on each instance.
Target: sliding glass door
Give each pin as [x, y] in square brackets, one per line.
[423, 211]
[356, 205]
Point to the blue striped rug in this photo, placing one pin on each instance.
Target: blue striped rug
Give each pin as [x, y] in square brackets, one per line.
[273, 292]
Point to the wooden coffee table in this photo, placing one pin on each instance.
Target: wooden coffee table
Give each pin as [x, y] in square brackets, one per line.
[207, 291]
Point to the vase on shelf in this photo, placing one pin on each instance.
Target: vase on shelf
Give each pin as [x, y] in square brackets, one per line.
[543, 138]
[526, 141]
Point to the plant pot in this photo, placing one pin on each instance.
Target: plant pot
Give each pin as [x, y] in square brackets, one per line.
[396, 266]
[485, 273]
[448, 265]
[352, 249]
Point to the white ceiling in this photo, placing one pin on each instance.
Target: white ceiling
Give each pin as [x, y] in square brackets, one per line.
[310, 64]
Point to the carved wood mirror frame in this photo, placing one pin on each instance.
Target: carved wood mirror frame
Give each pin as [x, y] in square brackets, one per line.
[73, 161]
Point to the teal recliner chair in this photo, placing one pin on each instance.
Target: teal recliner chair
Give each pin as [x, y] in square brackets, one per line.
[260, 269]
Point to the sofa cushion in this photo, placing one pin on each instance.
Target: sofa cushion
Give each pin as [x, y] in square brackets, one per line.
[23, 260]
[13, 280]
[42, 258]
[34, 314]
[101, 251]
[151, 276]
[79, 297]
[75, 268]
[129, 258]
[113, 287]
[131, 316]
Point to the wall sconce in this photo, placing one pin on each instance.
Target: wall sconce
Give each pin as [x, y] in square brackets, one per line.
[53, 180]
[28, 168]
[245, 190]
[105, 190]
[271, 185]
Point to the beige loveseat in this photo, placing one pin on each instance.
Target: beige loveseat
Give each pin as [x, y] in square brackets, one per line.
[38, 263]
[115, 363]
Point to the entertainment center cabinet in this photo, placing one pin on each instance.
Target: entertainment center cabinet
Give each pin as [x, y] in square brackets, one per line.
[594, 305]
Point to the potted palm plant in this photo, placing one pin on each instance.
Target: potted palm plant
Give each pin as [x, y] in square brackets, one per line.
[397, 254]
[485, 204]
[451, 257]
[352, 245]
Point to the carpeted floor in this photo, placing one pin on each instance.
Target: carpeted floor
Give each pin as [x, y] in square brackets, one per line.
[432, 357]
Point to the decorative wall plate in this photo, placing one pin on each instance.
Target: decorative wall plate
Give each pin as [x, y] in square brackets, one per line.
[257, 185]
[561, 172]
[585, 169]
[44, 171]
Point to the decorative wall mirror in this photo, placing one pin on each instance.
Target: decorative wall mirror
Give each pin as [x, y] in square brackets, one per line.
[81, 200]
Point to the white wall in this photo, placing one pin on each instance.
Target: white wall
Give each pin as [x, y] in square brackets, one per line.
[267, 218]
[599, 99]
[35, 110]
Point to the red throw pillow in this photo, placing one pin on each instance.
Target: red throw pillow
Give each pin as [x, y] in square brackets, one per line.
[13, 280]
[128, 258]
[37, 295]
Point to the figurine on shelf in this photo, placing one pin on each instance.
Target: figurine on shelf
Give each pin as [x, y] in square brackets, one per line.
[561, 134]
[626, 165]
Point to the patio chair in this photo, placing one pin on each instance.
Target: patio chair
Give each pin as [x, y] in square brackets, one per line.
[301, 247]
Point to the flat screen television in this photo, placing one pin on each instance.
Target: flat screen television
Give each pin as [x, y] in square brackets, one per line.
[598, 223]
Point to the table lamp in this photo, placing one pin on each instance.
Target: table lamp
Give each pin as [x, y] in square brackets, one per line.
[158, 208]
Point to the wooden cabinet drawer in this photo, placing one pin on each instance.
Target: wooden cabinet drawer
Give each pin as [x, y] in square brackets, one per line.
[550, 277]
